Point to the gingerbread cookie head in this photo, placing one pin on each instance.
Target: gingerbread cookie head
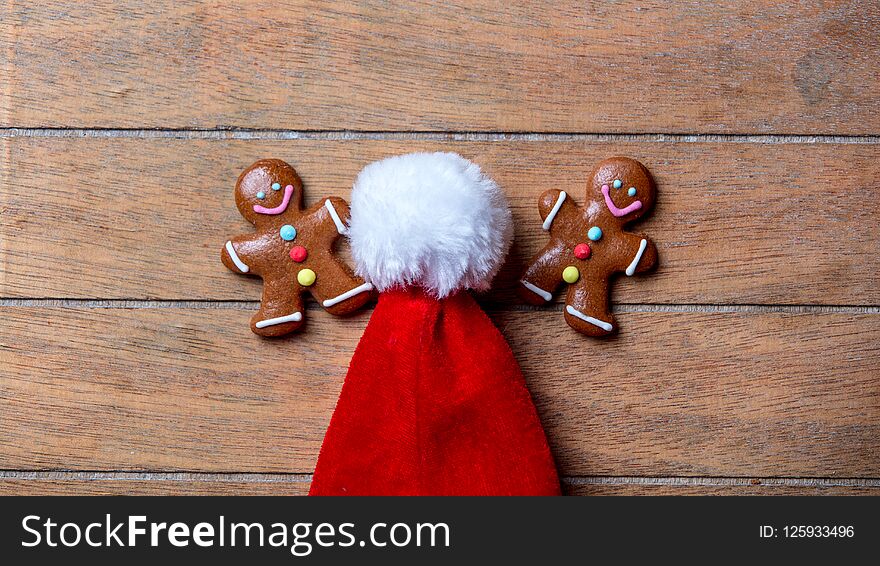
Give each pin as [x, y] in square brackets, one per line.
[268, 188]
[588, 245]
[292, 249]
[624, 187]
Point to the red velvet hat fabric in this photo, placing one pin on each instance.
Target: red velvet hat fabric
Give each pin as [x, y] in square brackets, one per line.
[434, 404]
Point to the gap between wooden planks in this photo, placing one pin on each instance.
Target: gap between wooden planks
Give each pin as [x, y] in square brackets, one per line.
[747, 67]
[719, 394]
[736, 223]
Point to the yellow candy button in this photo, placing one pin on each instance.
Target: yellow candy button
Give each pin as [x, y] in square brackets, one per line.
[306, 277]
[571, 274]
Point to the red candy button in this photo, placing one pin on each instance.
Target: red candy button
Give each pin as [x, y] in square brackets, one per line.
[298, 254]
[582, 251]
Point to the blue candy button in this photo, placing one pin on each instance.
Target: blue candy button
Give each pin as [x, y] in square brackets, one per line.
[631, 192]
[276, 186]
[261, 194]
[617, 183]
[594, 233]
[287, 232]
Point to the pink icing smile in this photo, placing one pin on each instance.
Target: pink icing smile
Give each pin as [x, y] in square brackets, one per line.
[288, 191]
[618, 212]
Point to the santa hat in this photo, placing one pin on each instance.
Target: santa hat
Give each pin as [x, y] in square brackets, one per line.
[434, 402]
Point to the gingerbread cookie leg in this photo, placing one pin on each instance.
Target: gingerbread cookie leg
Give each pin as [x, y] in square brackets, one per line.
[587, 309]
[338, 290]
[281, 310]
[544, 274]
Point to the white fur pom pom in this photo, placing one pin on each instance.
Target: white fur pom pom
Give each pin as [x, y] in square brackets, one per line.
[428, 219]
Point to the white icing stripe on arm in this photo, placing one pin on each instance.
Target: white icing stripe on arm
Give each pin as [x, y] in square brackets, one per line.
[635, 262]
[295, 317]
[537, 290]
[549, 220]
[340, 226]
[347, 295]
[594, 321]
[242, 266]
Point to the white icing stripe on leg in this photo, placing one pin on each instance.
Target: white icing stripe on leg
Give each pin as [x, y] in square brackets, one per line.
[632, 267]
[549, 220]
[340, 226]
[594, 321]
[537, 290]
[242, 266]
[347, 295]
[295, 317]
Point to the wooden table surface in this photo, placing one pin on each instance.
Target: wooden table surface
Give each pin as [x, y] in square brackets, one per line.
[748, 364]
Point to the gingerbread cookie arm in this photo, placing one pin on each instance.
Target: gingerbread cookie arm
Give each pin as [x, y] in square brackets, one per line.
[240, 253]
[587, 309]
[544, 274]
[281, 310]
[339, 212]
[333, 215]
[641, 254]
[560, 214]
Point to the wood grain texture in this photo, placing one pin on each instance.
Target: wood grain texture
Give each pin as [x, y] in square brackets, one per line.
[629, 66]
[711, 394]
[741, 223]
[658, 489]
[149, 487]
[222, 486]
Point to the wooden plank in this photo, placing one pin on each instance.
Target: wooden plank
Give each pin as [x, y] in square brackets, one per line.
[145, 218]
[149, 487]
[677, 393]
[657, 489]
[226, 487]
[628, 66]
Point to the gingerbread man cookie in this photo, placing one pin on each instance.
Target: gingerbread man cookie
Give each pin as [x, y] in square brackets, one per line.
[588, 245]
[292, 249]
